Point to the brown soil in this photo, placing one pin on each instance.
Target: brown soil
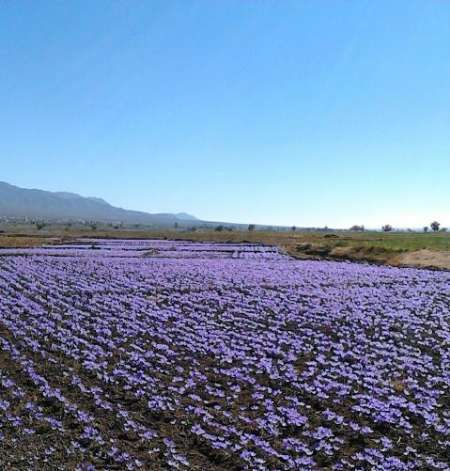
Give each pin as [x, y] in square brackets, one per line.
[424, 258]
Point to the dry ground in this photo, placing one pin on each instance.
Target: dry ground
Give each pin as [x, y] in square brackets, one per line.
[425, 258]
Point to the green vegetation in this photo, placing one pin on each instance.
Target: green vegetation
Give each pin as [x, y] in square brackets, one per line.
[397, 241]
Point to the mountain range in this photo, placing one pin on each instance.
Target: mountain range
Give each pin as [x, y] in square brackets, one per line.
[19, 202]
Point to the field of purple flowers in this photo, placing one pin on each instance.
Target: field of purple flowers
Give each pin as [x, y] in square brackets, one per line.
[163, 355]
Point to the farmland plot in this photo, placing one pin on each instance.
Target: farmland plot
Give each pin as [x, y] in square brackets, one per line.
[176, 355]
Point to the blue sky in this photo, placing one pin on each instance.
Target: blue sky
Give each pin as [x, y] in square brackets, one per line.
[281, 112]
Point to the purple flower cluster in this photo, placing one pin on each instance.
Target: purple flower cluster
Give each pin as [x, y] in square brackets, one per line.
[174, 355]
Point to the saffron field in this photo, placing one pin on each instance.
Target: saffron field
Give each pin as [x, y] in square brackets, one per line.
[155, 355]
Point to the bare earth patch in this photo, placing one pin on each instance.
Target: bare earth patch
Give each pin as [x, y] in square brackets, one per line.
[424, 258]
[15, 241]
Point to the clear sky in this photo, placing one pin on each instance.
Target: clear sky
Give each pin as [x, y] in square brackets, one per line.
[298, 112]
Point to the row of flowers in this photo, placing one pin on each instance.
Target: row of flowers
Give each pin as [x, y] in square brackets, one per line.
[254, 362]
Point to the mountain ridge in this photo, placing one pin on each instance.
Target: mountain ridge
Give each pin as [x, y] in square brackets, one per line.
[41, 204]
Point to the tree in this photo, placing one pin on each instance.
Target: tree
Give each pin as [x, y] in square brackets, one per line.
[219, 228]
[251, 227]
[357, 228]
[40, 225]
[175, 225]
[93, 226]
[294, 228]
[425, 229]
[386, 228]
[435, 226]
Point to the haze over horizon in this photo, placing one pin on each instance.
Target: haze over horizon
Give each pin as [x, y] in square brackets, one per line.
[306, 113]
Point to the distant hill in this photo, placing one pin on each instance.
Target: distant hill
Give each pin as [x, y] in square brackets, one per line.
[186, 217]
[40, 204]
